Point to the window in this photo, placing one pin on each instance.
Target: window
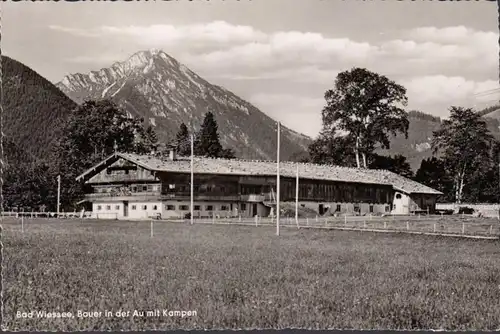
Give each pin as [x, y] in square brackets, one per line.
[371, 208]
[171, 186]
[149, 187]
[222, 189]
[108, 207]
[126, 171]
[99, 207]
[398, 196]
[144, 188]
[184, 207]
[223, 207]
[108, 171]
[387, 208]
[117, 207]
[339, 208]
[243, 206]
[144, 207]
[134, 207]
[170, 207]
[152, 173]
[209, 188]
[155, 207]
[197, 207]
[134, 189]
[209, 207]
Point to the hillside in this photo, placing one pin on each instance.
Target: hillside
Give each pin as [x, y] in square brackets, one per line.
[34, 109]
[155, 86]
[418, 145]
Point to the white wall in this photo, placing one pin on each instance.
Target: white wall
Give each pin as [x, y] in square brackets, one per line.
[402, 205]
[136, 211]
[109, 210]
[202, 212]
[344, 207]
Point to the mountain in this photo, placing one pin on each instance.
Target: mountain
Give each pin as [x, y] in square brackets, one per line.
[418, 145]
[153, 85]
[34, 110]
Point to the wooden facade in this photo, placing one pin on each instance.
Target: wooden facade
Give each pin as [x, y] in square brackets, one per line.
[124, 188]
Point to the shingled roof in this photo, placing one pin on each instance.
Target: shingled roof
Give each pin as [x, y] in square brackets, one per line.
[268, 168]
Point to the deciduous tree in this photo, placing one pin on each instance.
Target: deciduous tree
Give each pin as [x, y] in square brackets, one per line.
[464, 142]
[367, 107]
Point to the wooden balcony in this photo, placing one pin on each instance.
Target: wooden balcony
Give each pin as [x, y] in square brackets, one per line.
[116, 197]
[252, 198]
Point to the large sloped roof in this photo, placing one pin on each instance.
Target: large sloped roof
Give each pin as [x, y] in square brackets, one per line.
[269, 168]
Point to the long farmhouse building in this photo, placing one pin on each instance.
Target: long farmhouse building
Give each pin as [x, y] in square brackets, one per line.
[131, 186]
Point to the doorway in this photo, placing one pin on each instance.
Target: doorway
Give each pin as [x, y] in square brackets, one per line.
[254, 209]
[321, 209]
[125, 209]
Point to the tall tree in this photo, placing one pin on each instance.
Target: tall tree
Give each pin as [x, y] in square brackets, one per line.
[207, 139]
[366, 106]
[90, 134]
[183, 141]
[396, 164]
[433, 173]
[146, 140]
[465, 143]
[331, 149]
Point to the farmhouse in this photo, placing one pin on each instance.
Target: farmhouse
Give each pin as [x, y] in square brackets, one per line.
[131, 186]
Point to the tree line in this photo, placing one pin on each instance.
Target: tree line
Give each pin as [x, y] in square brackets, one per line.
[93, 131]
[364, 108]
[361, 111]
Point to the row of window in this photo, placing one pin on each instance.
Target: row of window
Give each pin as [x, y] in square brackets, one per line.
[133, 188]
[171, 207]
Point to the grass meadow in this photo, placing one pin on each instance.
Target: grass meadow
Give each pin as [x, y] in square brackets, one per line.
[244, 277]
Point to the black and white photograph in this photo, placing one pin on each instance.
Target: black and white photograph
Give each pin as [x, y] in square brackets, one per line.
[259, 164]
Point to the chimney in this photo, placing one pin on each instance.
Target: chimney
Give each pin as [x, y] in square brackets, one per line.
[172, 153]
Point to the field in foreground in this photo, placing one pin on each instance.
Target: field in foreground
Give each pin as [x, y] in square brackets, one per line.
[245, 277]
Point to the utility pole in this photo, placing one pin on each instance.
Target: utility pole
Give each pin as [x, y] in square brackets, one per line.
[192, 179]
[58, 194]
[297, 197]
[278, 182]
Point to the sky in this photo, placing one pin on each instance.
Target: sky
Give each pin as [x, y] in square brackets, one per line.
[280, 55]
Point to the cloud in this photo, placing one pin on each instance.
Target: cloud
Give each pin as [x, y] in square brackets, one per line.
[246, 52]
[439, 67]
[304, 74]
[162, 34]
[301, 113]
[451, 90]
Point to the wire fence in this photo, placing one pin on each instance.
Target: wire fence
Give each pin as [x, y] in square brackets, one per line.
[450, 225]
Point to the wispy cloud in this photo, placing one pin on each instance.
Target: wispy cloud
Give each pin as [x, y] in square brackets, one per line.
[438, 66]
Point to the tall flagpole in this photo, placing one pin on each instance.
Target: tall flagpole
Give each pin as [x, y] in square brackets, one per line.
[192, 179]
[297, 197]
[278, 182]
